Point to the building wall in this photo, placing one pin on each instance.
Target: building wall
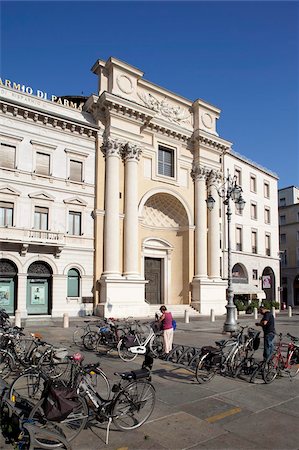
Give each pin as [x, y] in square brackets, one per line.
[259, 261]
[289, 244]
[133, 216]
[37, 126]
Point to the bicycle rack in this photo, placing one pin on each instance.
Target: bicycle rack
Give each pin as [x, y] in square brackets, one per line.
[184, 355]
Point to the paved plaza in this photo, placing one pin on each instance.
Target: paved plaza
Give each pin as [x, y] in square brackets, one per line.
[223, 414]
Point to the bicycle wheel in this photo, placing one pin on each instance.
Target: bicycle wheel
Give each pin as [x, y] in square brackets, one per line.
[124, 352]
[69, 428]
[133, 405]
[6, 364]
[270, 370]
[156, 345]
[23, 347]
[53, 368]
[99, 381]
[237, 363]
[293, 366]
[205, 371]
[90, 340]
[29, 386]
[78, 334]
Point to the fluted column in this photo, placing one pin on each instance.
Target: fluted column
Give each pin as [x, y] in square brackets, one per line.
[131, 155]
[199, 175]
[111, 150]
[214, 231]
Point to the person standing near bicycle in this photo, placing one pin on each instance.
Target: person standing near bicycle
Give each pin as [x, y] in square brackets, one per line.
[268, 324]
[166, 320]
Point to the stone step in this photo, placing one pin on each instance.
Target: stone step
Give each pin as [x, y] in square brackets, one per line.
[176, 310]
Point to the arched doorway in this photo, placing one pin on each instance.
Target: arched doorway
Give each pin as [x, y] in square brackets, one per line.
[39, 288]
[165, 249]
[8, 285]
[296, 291]
[268, 284]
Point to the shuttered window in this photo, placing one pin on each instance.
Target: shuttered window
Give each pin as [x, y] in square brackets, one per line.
[7, 156]
[42, 163]
[165, 161]
[75, 223]
[73, 283]
[41, 216]
[75, 170]
[6, 214]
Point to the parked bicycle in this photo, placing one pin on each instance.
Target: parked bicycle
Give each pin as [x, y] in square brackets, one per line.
[107, 335]
[131, 405]
[285, 359]
[136, 343]
[223, 359]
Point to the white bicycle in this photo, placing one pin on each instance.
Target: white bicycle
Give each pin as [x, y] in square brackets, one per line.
[133, 344]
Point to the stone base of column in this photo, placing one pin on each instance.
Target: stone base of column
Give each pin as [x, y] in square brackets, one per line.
[122, 298]
[209, 294]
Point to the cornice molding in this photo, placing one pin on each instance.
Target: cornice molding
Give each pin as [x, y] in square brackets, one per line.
[112, 104]
[47, 120]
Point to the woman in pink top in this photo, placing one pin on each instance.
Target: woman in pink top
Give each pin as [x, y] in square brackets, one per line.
[166, 320]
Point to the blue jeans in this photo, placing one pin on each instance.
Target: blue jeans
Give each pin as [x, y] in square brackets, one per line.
[268, 345]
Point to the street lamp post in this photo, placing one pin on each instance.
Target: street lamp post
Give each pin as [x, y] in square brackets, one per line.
[228, 191]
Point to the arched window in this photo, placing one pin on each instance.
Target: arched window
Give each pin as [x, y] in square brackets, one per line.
[73, 283]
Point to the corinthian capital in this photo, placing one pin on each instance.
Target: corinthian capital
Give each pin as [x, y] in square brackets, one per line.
[199, 172]
[131, 152]
[111, 147]
[214, 177]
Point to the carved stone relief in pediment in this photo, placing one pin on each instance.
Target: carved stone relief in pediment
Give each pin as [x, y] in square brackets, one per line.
[164, 109]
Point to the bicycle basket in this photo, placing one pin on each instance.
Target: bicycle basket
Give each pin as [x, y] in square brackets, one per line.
[256, 342]
[213, 354]
[128, 340]
[104, 330]
[59, 401]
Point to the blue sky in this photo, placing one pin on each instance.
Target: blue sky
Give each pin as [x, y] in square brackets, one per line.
[242, 57]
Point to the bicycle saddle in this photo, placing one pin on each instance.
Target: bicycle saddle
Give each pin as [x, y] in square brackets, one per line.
[134, 374]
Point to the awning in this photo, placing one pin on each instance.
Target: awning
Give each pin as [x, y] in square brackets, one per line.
[248, 289]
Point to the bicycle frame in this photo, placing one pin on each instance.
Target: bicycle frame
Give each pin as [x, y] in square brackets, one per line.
[140, 349]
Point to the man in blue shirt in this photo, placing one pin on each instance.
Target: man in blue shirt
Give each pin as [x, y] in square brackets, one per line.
[268, 324]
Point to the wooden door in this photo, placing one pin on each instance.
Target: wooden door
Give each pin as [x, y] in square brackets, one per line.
[153, 274]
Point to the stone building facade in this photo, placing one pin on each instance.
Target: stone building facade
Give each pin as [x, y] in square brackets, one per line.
[289, 244]
[109, 203]
[47, 176]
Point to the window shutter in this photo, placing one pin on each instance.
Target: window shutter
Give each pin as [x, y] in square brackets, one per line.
[42, 163]
[75, 170]
[7, 156]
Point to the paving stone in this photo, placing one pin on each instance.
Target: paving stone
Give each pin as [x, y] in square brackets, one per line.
[228, 441]
[268, 429]
[214, 410]
[181, 430]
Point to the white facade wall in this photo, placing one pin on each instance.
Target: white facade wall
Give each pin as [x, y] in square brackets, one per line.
[32, 129]
[251, 261]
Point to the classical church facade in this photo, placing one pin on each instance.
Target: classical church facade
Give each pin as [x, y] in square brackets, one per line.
[156, 157]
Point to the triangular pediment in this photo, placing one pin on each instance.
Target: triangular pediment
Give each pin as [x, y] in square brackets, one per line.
[41, 195]
[9, 190]
[75, 201]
